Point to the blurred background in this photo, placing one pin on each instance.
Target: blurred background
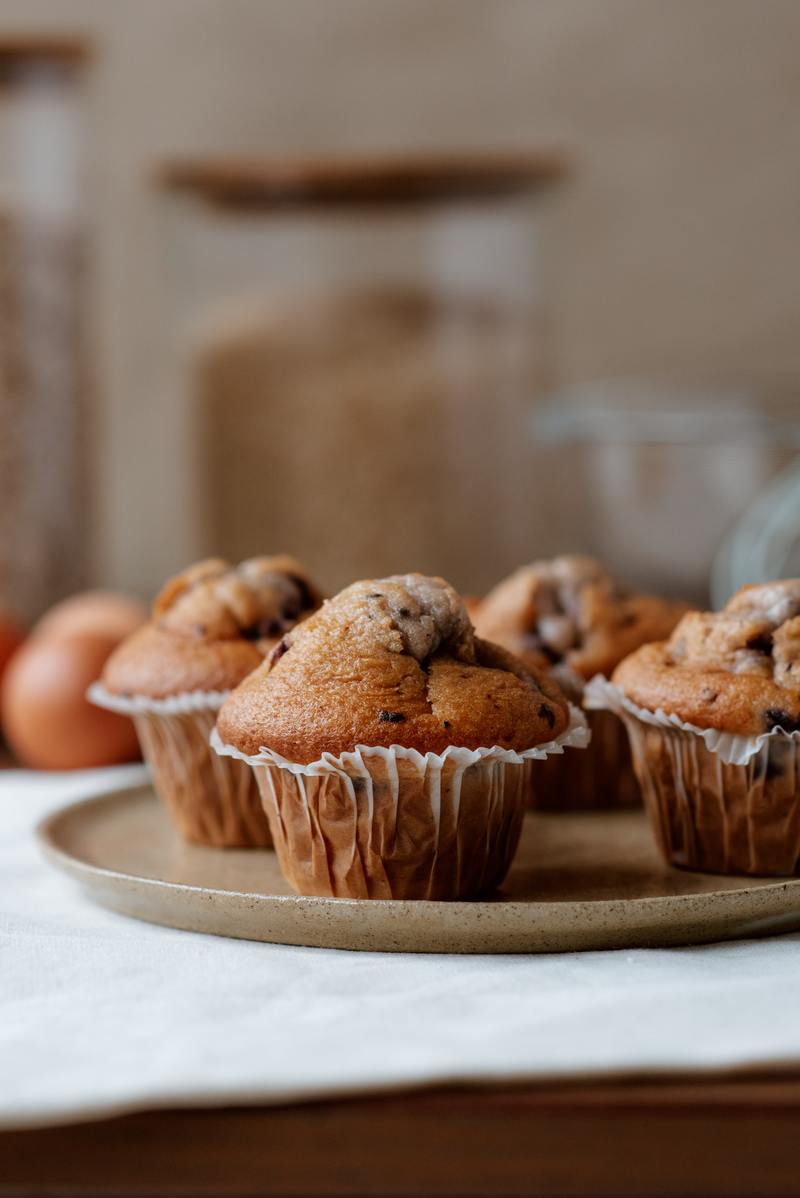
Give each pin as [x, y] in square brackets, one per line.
[392, 284]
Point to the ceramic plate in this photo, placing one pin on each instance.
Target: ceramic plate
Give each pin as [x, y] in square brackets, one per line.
[579, 882]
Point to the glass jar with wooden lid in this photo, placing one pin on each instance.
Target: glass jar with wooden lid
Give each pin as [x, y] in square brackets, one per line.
[352, 347]
[43, 404]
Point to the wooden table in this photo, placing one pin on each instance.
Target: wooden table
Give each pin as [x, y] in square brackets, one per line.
[699, 1138]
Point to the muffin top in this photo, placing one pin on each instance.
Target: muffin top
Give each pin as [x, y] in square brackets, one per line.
[571, 611]
[390, 662]
[736, 670]
[212, 625]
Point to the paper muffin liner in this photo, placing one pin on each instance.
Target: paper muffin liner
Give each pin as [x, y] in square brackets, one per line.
[392, 823]
[600, 779]
[211, 800]
[719, 802]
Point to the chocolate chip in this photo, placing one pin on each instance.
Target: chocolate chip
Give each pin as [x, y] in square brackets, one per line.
[391, 717]
[375, 595]
[279, 650]
[546, 713]
[405, 613]
[761, 643]
[447, 724]
[776, 717]
[628, 620]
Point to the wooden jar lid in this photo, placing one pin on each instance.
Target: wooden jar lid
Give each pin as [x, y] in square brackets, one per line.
[360, 179]
[21, 49]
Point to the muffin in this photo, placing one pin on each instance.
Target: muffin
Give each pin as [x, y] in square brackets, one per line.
[570, 616]
[393, 748]
[210, 627]
[713, 716]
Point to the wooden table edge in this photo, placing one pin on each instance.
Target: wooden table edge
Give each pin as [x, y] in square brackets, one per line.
[689, 1136]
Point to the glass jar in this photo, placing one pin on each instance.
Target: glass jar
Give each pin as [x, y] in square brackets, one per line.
[43, 534]
[352, 351]
[668, 481]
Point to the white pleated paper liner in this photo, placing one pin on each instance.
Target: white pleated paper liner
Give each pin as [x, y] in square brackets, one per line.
[575, 736]
[392, 822]
[134, 705]
[211, 801]
[732, 748]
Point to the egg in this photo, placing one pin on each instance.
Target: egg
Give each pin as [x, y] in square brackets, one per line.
[105, 613]
[48, 721]
[11, 637]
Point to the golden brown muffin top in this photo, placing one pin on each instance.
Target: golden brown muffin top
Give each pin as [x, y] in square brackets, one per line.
[571, 611]
[393, 661]
[736, 670]
[212, 625]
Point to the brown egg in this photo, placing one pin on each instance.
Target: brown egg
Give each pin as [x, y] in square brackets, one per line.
[11, 637]
[104, 613]
[47, 719]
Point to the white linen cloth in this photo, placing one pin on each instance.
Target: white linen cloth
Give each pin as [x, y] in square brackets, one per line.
[101, 1014]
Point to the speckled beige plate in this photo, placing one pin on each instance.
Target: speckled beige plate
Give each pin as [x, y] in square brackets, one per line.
[582, 881]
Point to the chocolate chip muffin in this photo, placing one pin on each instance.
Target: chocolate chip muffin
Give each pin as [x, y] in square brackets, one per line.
[713, 716]
[211, 626]
[571, 616]
[394, 747]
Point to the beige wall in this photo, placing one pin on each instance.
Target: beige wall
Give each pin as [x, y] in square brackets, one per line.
[678, 238]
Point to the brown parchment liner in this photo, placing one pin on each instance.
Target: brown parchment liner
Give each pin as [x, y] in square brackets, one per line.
[393, 823]
[600, 779]
[212, 800]
[718, 802]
